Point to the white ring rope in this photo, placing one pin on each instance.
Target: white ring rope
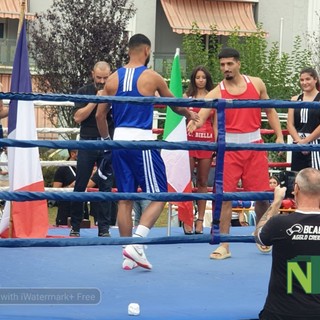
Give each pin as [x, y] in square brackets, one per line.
[61, 130]
[53, 163]
[45, 189]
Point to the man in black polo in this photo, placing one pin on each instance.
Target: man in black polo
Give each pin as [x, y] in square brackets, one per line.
[294, 237]
[84, 114]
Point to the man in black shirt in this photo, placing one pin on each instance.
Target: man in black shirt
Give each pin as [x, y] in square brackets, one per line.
[65, 177]
[84, 114]
[295, 239]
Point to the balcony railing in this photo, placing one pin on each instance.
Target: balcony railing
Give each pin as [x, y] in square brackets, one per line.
[162, 62]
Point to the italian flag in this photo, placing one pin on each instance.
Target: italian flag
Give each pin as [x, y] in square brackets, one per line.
[177, 161]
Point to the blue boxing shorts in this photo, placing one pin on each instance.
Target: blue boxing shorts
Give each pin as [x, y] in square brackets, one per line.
[139, 168]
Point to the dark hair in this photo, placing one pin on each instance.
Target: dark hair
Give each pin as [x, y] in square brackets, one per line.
[275, 178]
[138, 40]
[192, 88]
[229, 53]
[313, 73]
[70, 151]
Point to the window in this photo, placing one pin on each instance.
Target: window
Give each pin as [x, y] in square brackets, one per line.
[1, 30]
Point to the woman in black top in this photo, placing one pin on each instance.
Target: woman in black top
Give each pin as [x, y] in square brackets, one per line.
[303, 124]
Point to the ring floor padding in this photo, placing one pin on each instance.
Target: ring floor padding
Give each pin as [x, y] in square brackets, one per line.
[184, 282]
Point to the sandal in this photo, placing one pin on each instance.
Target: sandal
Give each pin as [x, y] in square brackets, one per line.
[220, 253]
[195, 226]
[186, 232]
[242, 220]
[264, 249]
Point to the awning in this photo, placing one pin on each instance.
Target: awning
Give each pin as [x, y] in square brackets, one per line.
[223, 16]
[10, 9]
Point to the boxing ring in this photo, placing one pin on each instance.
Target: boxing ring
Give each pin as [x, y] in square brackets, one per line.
[184, 283]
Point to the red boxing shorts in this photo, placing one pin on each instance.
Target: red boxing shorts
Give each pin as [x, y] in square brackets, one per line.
[201, 135]
[249, 166]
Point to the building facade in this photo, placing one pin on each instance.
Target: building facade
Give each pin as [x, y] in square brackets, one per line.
[165, 22]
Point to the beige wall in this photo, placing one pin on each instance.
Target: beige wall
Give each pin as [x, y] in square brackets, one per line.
[40, 116]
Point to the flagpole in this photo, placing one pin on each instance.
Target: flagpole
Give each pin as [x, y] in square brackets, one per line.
[21, 18]
[175, 130]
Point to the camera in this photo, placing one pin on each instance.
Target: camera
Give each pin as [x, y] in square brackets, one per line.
[287, 179]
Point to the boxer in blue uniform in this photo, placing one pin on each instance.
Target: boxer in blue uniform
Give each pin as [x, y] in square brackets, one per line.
[133, 168]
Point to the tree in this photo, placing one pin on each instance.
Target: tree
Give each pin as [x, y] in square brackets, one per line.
[313, 41]
[69, 38]
[279, 72]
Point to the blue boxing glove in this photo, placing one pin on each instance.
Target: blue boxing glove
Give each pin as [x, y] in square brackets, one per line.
[105, 168]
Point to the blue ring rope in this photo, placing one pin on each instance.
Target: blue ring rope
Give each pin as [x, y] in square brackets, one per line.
[98, 241]
[21, 196]
[142, 145]
[222, 147]
[204, 103]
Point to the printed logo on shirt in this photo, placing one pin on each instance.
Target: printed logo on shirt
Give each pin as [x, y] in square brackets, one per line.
[203, 135]
[307, 232]
[304, 271]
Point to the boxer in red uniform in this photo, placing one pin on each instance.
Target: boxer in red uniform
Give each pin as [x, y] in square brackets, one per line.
[199, 86]
[242, 126]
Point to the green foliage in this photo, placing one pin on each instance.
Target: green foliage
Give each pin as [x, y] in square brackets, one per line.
[279, 71]
[197, 54]
[69, 38]
[313, 42]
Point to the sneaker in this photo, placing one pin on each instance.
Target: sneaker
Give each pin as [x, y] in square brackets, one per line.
[74, 233]
[136, 253]
[105, 234]
[128, 264]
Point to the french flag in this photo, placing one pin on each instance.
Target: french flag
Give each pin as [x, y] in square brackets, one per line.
[29, 219]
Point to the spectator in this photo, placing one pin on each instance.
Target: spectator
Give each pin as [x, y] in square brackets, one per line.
[4, 174]
[199, 86]
[85, 115]
[292, 236]
[3, 113]
[4, 177]
[273, 182]
[304, 124]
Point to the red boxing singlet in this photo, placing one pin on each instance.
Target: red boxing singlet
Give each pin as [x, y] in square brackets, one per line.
[204, 134]
[242, 120]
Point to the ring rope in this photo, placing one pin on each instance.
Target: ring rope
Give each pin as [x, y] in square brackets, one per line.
[203, 103]
[143, 145]
[98, 241]
[20, 196]
[219, 104]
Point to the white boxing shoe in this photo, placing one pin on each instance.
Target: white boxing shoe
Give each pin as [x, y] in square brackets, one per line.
[136, 253]
[128, 264]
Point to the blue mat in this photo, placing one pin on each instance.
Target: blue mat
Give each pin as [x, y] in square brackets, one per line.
[183, 284]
